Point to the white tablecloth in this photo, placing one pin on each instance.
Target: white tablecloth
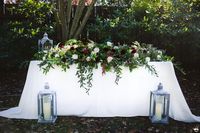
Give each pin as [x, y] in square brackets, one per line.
[105, 99]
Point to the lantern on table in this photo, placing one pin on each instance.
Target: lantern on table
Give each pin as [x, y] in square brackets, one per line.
[45, 43]
[47, 108]
[159, 105]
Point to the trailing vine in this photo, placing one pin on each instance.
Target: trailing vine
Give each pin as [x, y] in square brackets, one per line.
[85, 73]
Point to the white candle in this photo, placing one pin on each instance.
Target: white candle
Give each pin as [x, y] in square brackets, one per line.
[47, 107]
[159, 110]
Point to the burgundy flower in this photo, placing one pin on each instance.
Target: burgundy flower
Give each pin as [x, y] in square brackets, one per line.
[86, 51]
[133, 51]
[72, 48]
[61, 45]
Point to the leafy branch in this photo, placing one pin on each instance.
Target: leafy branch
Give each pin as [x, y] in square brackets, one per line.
[85, 75]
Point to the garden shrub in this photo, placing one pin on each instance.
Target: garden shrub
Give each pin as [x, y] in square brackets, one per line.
[19, 35]
[35, 19]
[172, 25]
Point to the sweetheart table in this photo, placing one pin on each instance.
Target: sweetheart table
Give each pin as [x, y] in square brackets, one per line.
[106, 99]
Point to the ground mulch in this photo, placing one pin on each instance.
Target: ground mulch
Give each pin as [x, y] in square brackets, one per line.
[12, 83]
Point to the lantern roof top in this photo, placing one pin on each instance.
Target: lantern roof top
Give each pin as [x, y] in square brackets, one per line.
[160, 90]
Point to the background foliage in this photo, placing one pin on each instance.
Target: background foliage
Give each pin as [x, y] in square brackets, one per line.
[19, 34]
[169, 24]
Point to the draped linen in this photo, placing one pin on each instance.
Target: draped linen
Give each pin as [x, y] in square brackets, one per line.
[131, 97]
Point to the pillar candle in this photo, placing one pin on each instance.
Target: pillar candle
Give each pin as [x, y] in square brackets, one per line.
[158, 111]
[47, 107]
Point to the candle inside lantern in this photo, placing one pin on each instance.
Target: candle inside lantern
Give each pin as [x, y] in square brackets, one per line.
[47, 107]
[159, 105]
[158, 111]
[47, 46]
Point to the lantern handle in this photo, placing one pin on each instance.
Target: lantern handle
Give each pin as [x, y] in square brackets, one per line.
[160, 86]
[46, 86]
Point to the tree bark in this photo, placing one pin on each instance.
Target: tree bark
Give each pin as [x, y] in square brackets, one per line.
[85, 19]
[62, 17]
[76, 20]
[71, 27]
[68, 16]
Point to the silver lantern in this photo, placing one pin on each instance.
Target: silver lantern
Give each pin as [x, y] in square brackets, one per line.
[159, 105]
[45, 43]
[47, 108]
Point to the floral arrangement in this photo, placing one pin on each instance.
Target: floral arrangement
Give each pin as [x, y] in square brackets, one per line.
[88, 56]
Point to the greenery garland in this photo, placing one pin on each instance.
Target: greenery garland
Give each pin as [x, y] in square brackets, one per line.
[89, 55]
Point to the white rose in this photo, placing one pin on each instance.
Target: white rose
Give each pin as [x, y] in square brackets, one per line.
[67, 47]
[136, 43]
[91, 45]
[109, 43]
[159, 52]
[116, 47]
[147, 59]
[56, 55]
[43, 58]
[134, 46]
[96, 50]
[88, 58]
[136, 55]
[158, 57]
[74, 56]
[109, 59]
[75, 46]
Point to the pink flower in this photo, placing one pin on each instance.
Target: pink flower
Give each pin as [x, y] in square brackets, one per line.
[96, 50]
[109, 59]
[75, 56]
[86, 51]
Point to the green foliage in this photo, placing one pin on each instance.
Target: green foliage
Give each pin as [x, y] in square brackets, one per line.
[35, 19]
[90, 55]
[19, 35]
[169, 24]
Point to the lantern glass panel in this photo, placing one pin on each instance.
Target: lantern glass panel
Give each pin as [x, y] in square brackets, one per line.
[159, 106]
[47, 111]
[47, 46]
[45, 43]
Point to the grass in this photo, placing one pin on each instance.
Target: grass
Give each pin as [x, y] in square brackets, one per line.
[97, 125]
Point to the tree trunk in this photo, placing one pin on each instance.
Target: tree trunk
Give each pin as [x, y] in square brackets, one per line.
[69, 11]
[85, 19]
[62, 18]
[78, 14]
[71, 27]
